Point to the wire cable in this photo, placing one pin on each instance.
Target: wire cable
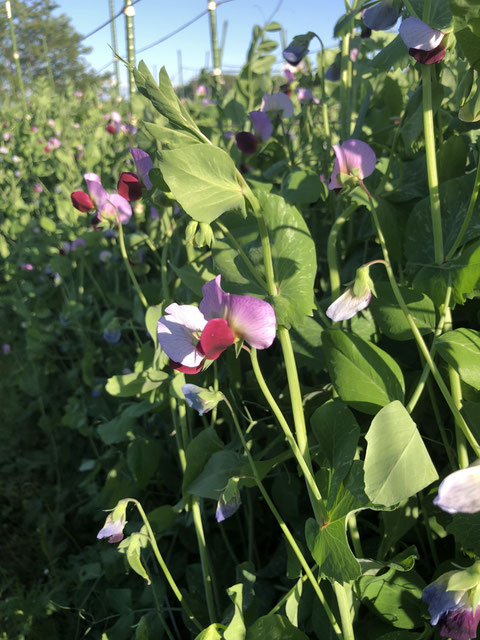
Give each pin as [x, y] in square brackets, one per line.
[105, 24]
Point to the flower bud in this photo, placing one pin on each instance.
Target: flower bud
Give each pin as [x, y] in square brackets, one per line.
[201, 399]
[82, 201]
[129, 186]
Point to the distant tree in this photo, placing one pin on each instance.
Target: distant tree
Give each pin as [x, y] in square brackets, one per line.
[48, 46]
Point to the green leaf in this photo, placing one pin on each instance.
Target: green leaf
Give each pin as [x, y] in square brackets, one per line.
[193, 276]
[212, 480]
[303, 186]
[390, 317]
[212, 632]
[132, 384]
[397, 463]
[116, 430]
[152, 315]
[273, 26]
[263, 64]
[143, 458]
[330, 550]
[455, 198]
[203, 180]
[396, 598]
[337, 433]
[170, 138]
[365, 376]
[131, 546]
[440, 14]
[48, 224]
[236, 629]
[470, 46]
[461, 349]
[199, 450]
[451, 158]
[465, 527]
[393, 56]
[274, 627]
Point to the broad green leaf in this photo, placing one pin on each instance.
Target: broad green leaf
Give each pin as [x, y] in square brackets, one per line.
[365, 376]
[263, 64]
[143, 459]
[198, 452]
[440, 14]
[465, 527]
[273, 26]
[337, 433]
[236, 629]
[307, 343]
[461, 349]
[274, 627]
[463, 274]
[48, 224]
[212, 480]
[116, 430]
[303, 186]
[397, 463]
[194, 276]
[394, 55]
[131, 547]
[470, 46]
[141, 632]
[451, 158]
[293, 602]
[396, 598]
[203, 180]
[170, 138]
[132, 384]
[161, 519]
[213, 632]
[330, 550]
[390, 318]
[455, 198]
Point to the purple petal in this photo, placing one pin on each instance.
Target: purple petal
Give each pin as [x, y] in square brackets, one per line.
[112, 530]
[460, 625]
[429, 57]
[178, 333]
[227, 509]
[359, 155]
[121, 205]
[277, 102]
[144, 163]
[333, 72]
[340, 166]
[460, 491]
[191, 393]
[347, 305]
[439, 600]
[215, 301]
[96, 192]
[418, 35]
[262, 125]
[380, 17]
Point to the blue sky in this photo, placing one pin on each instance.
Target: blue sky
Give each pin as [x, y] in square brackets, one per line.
[156, 18]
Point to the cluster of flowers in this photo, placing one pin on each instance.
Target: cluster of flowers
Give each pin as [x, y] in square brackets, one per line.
[115, 125]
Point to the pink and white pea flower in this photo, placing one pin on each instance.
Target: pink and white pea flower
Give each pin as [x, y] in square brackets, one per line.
[107, 204]
[277, 103]
[305, 96]
[190, 335]
[348, 304]
[424, 43]
[352, 155]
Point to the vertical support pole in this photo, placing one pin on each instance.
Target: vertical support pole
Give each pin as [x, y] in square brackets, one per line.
[16, 56]
[129, 12]
[216, 72]
[223, 38]
[114, 47]
[47, 62]
[180, 69]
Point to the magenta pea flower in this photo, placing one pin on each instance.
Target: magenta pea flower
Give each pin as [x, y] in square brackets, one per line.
[352, 156]
[106, 204]
[459, 492]
[450, 600]
[424, 43]
[277, 103]
[190, 335]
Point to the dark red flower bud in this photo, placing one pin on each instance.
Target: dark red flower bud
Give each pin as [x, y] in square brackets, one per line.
[82, 201]
[246, 142]
[366, 32]
[428, 57]
[110, 128]
[129, 186]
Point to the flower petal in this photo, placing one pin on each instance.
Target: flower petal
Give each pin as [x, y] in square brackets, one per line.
[95, 189]
[188, 370]
[215, 300]
[262, 125]
[144, 163]
[175, 333]
[380, 17]
[440, 600]
[129, 186]
[347, 305]
[277, 102]
[122, 206]
[253, 320]
[246, 142]
[460, 624]
[359, 155]
[216, 337]
[416, 34]
[460, 491]
[429, 57]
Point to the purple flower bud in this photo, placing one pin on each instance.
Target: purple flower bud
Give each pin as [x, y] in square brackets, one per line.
[246, 142]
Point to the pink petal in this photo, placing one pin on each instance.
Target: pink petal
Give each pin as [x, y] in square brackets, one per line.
[95, 190]
[215, 300]
[359, 155]
[122, 206]
[178, 333]
[253, 320]
[144, 163]
[418, 35]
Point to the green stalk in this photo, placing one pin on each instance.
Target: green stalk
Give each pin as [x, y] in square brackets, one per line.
[342, 593]
[216, 72]
[432, 173]
[164, 567]
[332, 253]
[315, 496]
[459, 419]
[114, 47]
[16, 55]
[345, 87]
[250, 266]
[123, 251]
[466, 222]
[285, 530]
[129, 12]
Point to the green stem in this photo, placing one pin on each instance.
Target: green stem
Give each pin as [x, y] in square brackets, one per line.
[456, 389]
[215, 51]
[432, 173]
[332, 252]
[471, 206]
[16, 55]
[459, 419]
[345, 89]
[315, 495]
[345, 608]
[114, 47]
[164, 567]
[204, 560]
[123, 251]
[285, 530]
[250, 266]
[354, 535]
[441, 427]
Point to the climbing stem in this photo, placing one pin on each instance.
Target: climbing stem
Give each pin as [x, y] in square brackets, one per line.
[345, 87]
[332, 249]
[343, 594]
[123, 251]
[285, 530]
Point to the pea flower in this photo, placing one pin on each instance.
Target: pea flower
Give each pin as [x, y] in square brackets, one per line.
[246, 142]
[6, 349]
[190, 335]
[297, 49]
[202, 91]
[106, 204]
[333, 72]
[263, 128]
[229, 502]
[459, 492]
[424, 43]
[356, 298]
[381, 16]
[305, 96]
[352, 156]
[130, 185]
[453, 603]
[200, 399]
[115, 523]
[277, 103]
